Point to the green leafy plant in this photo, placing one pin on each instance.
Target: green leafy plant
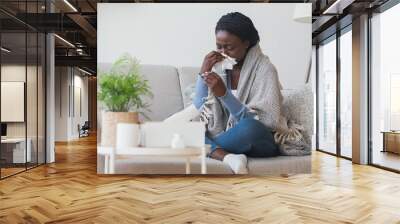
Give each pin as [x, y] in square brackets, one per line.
[122, 88]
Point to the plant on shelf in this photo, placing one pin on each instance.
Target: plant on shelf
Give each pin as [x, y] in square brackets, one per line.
[122, 90]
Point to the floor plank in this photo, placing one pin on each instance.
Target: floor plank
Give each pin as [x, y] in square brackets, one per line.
[70, 191]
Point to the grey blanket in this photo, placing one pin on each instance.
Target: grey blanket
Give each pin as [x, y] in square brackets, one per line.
[260, 90]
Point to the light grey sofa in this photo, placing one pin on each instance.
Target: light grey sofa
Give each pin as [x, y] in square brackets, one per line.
[168, 85]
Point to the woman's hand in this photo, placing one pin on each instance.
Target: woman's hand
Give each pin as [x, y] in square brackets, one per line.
[210, 60]
[215, 83]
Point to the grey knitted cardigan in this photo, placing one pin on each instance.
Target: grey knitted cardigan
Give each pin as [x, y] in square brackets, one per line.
[260, 90]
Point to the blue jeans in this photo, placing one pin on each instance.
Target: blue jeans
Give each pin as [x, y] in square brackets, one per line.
[249, 137]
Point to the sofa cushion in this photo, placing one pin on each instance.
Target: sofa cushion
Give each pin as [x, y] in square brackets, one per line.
[187, 78]
[298, 105]
[164, 84]
[165, 165]
[279, 165]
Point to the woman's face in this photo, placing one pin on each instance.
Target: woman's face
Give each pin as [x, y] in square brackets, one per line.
[231, 45]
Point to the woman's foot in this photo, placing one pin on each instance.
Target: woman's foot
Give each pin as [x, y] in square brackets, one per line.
[237, 162]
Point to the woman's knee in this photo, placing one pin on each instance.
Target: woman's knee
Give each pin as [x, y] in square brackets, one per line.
[251, 129]
[252, 125]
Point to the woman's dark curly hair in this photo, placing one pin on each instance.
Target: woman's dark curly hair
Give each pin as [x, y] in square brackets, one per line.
[240, 25]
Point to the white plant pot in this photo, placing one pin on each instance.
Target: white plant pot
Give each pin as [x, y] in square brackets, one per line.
[109, 123]
[128, 136]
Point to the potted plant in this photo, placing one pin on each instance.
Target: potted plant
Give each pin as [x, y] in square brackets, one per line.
[121, 92]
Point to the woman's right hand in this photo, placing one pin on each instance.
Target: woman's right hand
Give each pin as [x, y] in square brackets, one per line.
[210, 60]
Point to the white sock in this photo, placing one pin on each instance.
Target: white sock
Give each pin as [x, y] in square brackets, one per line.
[237, 162]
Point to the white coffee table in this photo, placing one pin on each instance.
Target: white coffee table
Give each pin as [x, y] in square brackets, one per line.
[189, 153]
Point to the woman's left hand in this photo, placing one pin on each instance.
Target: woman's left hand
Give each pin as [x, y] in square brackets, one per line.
[215, 83]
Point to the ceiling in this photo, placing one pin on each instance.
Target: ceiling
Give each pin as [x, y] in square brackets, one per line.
[76, 22]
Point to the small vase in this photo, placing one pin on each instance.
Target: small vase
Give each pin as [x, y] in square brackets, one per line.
[177, 142]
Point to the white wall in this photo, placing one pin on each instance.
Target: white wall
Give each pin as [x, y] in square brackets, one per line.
[67, 80]
[61, 103]
[80, 83]
[182, 34]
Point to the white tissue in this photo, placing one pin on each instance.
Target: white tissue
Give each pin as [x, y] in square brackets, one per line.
[226, 64]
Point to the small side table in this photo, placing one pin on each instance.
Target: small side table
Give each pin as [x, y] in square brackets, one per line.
[391, 141]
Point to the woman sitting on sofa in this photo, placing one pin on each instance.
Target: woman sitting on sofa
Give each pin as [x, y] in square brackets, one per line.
[243, 110]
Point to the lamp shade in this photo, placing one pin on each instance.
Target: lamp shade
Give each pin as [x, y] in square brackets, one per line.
[302, 13]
